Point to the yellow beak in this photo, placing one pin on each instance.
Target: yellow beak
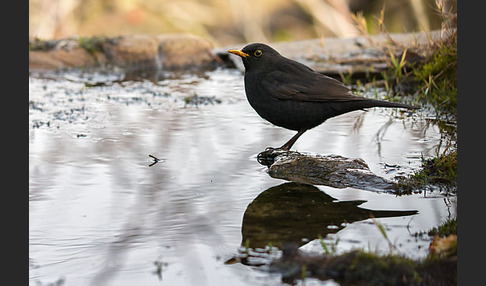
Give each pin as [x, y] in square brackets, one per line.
[239, 53]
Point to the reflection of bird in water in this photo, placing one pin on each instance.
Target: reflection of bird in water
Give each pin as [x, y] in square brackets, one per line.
[289, 212]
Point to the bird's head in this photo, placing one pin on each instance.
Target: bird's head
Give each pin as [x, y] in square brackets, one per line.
[256, 54]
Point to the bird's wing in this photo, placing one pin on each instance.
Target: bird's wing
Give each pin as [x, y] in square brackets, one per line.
[311, 87]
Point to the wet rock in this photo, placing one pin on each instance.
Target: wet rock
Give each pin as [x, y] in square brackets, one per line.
[168, 52]
[330, 170]
[172, 51]
[134, 51]
[60, 59]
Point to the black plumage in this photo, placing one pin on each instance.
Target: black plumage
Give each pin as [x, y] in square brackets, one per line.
[292, 95]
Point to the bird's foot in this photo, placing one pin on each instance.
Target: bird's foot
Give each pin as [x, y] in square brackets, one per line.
[267, 157]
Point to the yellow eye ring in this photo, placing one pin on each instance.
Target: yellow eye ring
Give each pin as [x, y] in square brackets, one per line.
[258, 53]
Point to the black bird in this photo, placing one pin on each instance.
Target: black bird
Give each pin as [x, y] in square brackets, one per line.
[292, 95]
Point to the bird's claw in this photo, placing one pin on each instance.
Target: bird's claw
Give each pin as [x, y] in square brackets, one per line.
[267, 157]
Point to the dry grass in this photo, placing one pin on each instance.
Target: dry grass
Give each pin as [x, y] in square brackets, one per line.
[221, 21]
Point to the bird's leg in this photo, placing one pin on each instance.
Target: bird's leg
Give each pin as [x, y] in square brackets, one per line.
[267, 157]
[292, 140]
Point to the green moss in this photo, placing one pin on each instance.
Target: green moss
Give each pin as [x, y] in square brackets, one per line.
[365, 268]
[440, 171]
[438, 78]
[92, 44]
[428, 73]
[197, 100]
[37, 44]
[447, 228]
[381, 270]
[360, 267]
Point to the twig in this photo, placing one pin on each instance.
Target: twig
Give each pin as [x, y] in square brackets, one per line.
[156, 160]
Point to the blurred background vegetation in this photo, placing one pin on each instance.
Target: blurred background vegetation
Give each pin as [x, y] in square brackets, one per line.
[226, 22]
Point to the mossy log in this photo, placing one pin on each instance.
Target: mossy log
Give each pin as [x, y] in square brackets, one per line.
[330, 170]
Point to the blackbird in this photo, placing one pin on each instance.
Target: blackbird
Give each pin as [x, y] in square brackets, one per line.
[292, 95]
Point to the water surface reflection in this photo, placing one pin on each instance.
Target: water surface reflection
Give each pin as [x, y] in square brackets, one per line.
[298, 213]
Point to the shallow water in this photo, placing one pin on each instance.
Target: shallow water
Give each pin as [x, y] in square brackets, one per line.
[101, 213]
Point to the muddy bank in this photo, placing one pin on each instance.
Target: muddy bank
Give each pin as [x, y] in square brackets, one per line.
[183, 51]
[361, 268]
[356, 55]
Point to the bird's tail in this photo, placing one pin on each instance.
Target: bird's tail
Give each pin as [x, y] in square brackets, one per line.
[382, 103]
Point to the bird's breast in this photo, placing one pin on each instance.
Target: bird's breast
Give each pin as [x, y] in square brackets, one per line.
[258, 96]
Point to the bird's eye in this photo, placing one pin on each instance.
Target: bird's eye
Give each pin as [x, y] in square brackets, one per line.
[258, 53]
